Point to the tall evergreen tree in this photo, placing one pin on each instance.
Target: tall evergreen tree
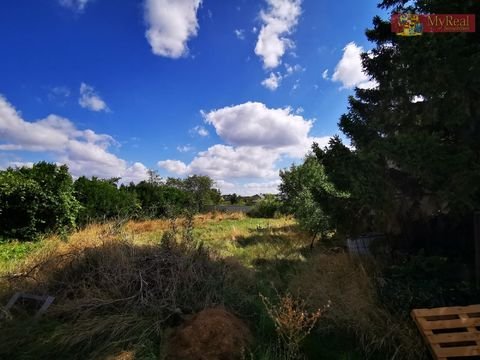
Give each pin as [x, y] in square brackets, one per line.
[415, 137]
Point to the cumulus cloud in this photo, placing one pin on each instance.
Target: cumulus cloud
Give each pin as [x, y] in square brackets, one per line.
[75, 5]
[171, 23]
[90, 100]
[248, 188]
[221, 161]
[273, 81]
[349, 70]
[325, 74]
[279, 21]
[254, 124]
[174, 166]
[84, 151]
[257, 138]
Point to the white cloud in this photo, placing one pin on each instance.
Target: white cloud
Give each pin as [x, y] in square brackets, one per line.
[185, 148]
[199, 130]
[325, 74]
[293, 68]
[273, 81]
[221, 161]
[257, 138]
[84, 151]
[171, 23]
[270, 187]
[75, 5]
[174, 166]
[279, 21]
[296, 85]
[240, 34]
[349, 70]
[249, 188]
[254, 124]
[59, 94]
[90, 100]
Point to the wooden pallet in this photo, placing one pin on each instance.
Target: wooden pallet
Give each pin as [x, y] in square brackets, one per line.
[450, 332]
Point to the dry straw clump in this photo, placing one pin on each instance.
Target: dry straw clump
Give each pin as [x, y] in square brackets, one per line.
[354, 306]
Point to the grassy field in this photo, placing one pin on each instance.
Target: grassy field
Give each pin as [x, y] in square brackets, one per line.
[99, 311]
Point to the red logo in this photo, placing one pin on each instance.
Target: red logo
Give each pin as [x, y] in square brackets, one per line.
[415, 24]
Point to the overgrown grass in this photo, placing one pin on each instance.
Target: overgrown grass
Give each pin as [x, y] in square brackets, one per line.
[120, 288]
[348, 284]
[13, 253]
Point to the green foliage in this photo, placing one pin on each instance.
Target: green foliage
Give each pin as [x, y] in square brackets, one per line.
[306, 192]
[102, 200]
[409, 161]
[201, 192]
[35, 201]
[268, 207]
[425, 281]
[158, 200]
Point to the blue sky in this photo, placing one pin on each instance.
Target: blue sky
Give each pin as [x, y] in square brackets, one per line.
[234, 89]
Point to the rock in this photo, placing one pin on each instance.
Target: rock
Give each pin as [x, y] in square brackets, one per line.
[212, 334]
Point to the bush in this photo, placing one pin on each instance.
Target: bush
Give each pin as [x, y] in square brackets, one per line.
[158, 200]
[268, 207]
[103, 200]
[35, 201]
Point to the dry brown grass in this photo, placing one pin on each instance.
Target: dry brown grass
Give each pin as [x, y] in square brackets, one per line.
[354, 306]
[160, 225]
[110, 292]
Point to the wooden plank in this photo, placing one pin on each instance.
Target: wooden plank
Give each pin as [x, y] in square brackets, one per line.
[448, 324]
[453, 337]
[457, 351]
[454, 310]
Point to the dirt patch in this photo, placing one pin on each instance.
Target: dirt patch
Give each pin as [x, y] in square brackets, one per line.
[212, 334]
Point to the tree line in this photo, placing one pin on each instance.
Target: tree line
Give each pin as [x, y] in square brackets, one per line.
[45, 199]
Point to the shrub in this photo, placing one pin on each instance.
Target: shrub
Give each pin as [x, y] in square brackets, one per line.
[35, 201]
[103, 200]
[268, 207]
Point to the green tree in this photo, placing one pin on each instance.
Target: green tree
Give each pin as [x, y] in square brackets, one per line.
[158, 200]
[234, 199]
[415, 136]
[201, 191]
[307, 193]
[102, 200]
[36, 200]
